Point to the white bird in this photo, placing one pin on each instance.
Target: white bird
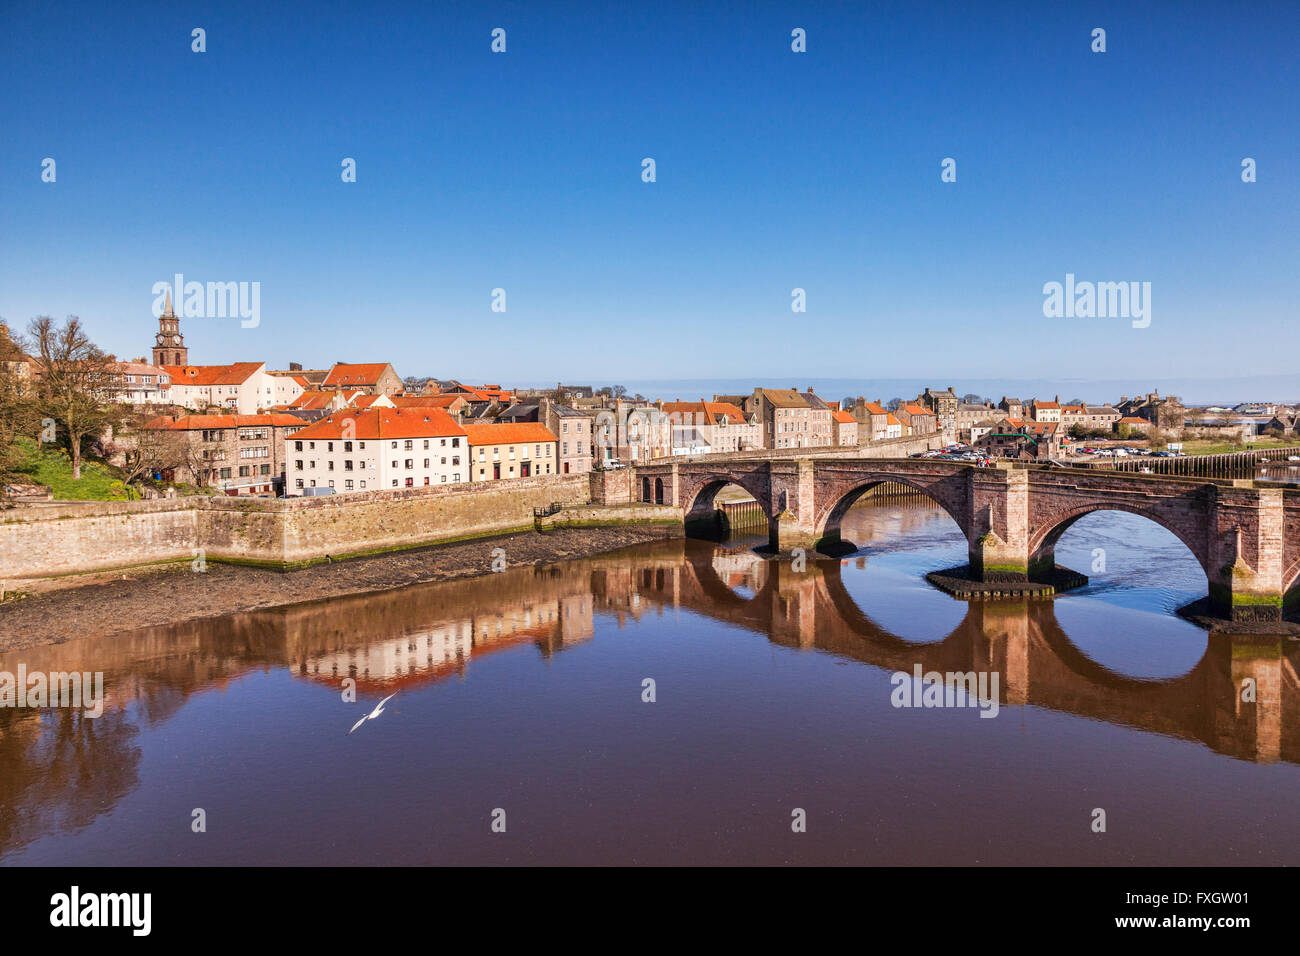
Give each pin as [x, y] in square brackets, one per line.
[379, 709]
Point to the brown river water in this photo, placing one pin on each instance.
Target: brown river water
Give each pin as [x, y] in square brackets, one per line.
[520, 704]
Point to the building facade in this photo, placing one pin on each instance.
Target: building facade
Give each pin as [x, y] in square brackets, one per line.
[377, 448]
[499, 452]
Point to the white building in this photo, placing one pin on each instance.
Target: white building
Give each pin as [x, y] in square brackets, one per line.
[244, 388]
[377, 448]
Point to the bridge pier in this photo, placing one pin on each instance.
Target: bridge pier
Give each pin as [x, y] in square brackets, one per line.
[998, 532]
[1245, 567]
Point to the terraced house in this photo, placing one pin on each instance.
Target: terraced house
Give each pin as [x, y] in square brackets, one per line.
[236, 454]
[787, 418]
[721, 426]
[521, 450]
[376, 448]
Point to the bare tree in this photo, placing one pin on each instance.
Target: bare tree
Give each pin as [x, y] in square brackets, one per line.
[75, 380]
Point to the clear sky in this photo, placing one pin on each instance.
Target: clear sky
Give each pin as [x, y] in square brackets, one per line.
[775, 170]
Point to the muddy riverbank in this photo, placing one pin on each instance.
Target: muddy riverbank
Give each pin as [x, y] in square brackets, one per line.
[112, 603]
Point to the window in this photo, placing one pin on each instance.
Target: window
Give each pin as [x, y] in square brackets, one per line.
[410, 463]
[394, 462]
[394, 480]
[347, 464]
[266, 469]
[426, 444]
[347, 446]
[362, 446]
[444, 479]
[298, 464]
[426, 463]
[455, 443]
[455, 459]
[444, 460]
[394, 444]
[298, 483]
[225, 472]
[297, 446]
[347, 485]
[243, 471]
[363, 484]
[410, 482]
[482, 452]
[444, 443]
[331, 482]
[426, 479]
[564, 450]
[408, 445]
[331, 464]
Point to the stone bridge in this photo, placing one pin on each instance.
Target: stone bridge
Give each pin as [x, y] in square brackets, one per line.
[1245, 535]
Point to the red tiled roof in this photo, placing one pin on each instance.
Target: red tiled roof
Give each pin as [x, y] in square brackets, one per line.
[844, 417]
[376, 423]
[354, 375]
[426, 401]
[913, 409]
[518, 433]
[235, 374]
[705, 413]
[192, 422]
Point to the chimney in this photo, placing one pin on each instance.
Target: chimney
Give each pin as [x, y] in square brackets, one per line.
[810, 390]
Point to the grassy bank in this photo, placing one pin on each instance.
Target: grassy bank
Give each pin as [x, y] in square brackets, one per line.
[46, 464]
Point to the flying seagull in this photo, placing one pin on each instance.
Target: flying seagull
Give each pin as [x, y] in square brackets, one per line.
[379, 709]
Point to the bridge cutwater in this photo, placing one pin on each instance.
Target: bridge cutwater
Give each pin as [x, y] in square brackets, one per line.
[1244, 534]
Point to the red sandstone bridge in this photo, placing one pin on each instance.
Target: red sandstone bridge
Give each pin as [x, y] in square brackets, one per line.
[1245, 535]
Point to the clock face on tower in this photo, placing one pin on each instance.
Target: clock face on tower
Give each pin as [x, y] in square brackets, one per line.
[169, 347]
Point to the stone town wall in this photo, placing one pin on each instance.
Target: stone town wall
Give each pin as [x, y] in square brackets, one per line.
[66, 538]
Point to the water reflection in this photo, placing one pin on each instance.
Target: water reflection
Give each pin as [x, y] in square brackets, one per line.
[62, 770]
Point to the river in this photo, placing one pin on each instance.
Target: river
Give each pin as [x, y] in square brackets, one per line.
[521, 705]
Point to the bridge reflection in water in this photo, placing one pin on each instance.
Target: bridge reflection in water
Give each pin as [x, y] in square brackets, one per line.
[62, 770]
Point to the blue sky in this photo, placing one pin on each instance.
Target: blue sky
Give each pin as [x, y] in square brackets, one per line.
[775, 170]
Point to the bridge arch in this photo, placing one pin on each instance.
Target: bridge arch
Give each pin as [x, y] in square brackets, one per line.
[830, 515]
[699, 500]
[1043, 539]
